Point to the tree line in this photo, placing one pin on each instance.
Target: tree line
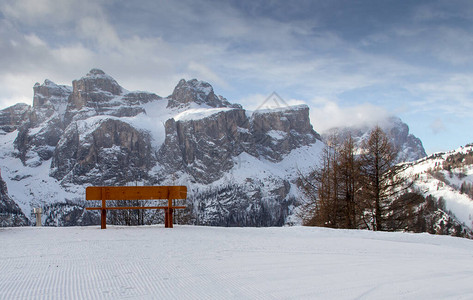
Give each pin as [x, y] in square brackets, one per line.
[360, 187]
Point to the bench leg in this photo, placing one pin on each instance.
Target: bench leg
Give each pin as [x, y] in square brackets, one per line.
[168, 218]
[103, 219]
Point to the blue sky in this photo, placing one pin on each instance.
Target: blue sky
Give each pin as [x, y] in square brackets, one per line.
[351, 61]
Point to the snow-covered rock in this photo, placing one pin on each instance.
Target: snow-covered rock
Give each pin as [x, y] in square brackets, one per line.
[10, 212]
[12, 117]
[43, 126]
[199, 92]
[112, 153]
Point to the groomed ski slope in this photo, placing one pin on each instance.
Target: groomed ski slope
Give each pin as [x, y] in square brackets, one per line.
[187, 262]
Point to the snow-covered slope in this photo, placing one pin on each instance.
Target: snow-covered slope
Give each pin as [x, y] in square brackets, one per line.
[447, 176]
[190, 262]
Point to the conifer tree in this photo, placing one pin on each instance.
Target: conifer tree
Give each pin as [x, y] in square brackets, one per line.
[359, 188]
[319, 187]
[332, 187]
[380, 175]
[350, 187]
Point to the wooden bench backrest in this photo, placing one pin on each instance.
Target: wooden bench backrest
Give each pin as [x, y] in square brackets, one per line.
[105, 193]
[135, 192]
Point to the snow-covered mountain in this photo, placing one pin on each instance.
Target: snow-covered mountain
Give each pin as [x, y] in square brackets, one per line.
[240, 166]
[409, 146]
[447, 178]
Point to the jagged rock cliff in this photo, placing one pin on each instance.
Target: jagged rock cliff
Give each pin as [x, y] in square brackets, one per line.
[198, 92]
[12, 117]
[191, 145]
[113, 153]
[10, 213]
[279, 131]
[43, 126]
[99, 94]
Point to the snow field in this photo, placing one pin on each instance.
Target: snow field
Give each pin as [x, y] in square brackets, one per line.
[199, 113]
[187, 262]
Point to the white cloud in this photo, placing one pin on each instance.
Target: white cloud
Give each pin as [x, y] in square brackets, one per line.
[100, 31]
[326, 114]
[270, 101]
[253, 101]
[14, 89]
[73, 56]
[280, 63]
[437, 126]
[454, 47]
[450, 93]
[205, 73]
[34, 40]
[49, 12]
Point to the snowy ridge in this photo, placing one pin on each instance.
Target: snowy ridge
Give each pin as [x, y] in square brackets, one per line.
[281, 109]
[199, 113]
[433, 160]
[433, 179]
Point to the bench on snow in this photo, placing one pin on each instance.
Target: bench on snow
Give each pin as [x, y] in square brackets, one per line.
[105, 193]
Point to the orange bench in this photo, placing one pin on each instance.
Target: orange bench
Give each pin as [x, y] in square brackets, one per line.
[105, 193]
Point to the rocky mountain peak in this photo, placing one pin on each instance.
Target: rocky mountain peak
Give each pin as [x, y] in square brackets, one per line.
[98, 80]
[95, 87]
[410, 146]
[196, 91]
[49, 91]
[199, 87]
[46, 82]
[281, 130]
[95, 72]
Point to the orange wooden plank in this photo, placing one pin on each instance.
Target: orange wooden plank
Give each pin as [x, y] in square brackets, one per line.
[135, 192]
[135, 207]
